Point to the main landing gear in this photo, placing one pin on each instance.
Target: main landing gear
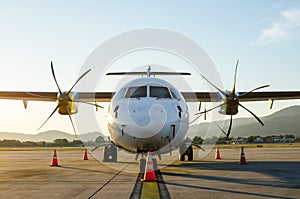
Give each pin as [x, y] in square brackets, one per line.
[185, 150]
[110, 153]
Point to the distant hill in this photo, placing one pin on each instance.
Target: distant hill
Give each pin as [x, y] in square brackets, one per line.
[49, 136]
[285, 121]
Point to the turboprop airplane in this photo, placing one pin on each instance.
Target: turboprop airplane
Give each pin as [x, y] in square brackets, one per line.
[147, 113]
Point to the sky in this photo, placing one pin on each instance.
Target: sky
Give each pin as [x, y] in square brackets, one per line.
[263, 35]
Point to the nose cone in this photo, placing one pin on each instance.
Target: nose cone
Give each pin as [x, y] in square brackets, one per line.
[144, 115]
[145, 121]
[140, 115]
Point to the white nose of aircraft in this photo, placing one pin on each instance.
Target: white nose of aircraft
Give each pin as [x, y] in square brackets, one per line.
[144, 121]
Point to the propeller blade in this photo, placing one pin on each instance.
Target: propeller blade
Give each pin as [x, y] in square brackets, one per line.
[195, 119]
[52, 69]
[229, 129]
[210, 109]
[223, 93]
[196, 145]
[72, 124]
[220, 128]
[78, 80]
[254, 90]
[234, 78]
[49, 117]
[257, 118]
[86, 103]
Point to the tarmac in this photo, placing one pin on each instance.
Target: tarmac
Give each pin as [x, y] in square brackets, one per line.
[269, 173]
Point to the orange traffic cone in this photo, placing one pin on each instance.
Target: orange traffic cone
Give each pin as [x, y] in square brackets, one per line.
[54, 160]
[85, 157]
[218, 155]
[149, 175]
[243, 157]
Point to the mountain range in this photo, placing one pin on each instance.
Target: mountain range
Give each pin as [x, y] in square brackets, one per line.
[49, 136]
[285, 121]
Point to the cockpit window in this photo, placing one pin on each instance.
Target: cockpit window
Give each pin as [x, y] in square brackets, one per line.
[136, 92]
[175, 94]
[159, 92]
[120, 94]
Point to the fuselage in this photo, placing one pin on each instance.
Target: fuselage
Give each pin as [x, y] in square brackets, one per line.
[148, 114]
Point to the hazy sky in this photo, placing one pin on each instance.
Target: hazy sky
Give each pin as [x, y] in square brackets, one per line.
[264, 35]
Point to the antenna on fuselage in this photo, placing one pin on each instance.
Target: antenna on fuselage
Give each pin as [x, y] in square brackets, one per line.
[149, 71]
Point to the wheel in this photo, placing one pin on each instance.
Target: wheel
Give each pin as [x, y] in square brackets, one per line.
[182, 152]
[142, 165]
[114, 154]
[110, 153]
[182, 149]
[182, 157]
[190, 153]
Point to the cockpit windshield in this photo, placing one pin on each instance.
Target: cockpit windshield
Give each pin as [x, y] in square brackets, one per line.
[159, 92]
[136, 92]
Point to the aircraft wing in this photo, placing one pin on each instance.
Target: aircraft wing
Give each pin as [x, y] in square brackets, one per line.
[189, 96]
[52, 96]
[28, 96]
[254, 96]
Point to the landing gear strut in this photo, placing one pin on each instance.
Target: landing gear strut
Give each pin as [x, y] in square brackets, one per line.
[142, 165]
[186, 151]
[110, 153]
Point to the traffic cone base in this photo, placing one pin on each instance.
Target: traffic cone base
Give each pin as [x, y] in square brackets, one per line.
[149, 175]
[54, 159]
[85, 157]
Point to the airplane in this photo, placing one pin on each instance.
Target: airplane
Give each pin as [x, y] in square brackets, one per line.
[147, 114]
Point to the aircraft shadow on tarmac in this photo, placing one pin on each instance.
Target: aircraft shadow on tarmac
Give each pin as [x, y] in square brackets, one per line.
[287, 173]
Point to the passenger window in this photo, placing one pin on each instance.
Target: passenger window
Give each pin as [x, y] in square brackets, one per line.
[159, 92]
[136, 92]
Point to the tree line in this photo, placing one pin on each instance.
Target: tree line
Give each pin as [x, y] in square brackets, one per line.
[56, 143]
[196, 140]
[248, 140]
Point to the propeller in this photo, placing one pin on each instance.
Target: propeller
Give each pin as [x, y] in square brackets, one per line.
[64, 99]
[232, 101]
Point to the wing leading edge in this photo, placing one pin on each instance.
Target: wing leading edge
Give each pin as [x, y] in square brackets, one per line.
[254, 96]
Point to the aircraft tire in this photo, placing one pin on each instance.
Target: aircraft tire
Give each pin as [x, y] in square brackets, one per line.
[110, 153]
[190, 153]
[182, 157]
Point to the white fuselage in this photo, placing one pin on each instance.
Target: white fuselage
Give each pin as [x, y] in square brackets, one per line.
[148, 114]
